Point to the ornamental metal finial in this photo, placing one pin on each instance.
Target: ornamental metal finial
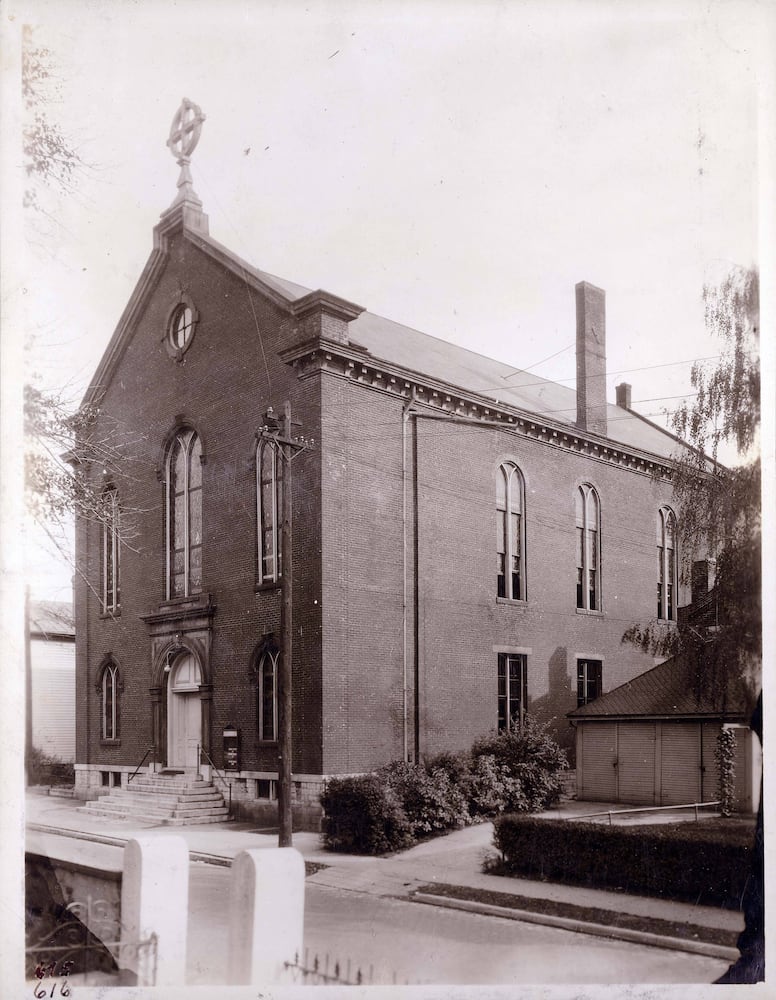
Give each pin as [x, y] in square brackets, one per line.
[184, 135]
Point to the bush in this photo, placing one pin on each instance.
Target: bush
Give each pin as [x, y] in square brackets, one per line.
[431, 800]
[363, 816]
[695, 861]
[404, 802]
[46, 769]
[530, 764]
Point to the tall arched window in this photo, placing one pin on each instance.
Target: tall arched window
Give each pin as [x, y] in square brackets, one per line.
[588, 537]
[268, 695]
[510, 533]
[269, 487]
[111, 595]
[109, 702]
[666, 564]
[184, 515]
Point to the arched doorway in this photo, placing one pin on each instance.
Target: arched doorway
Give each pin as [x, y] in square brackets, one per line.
[184, 712]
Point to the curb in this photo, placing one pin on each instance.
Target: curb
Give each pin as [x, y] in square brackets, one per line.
[581, 927]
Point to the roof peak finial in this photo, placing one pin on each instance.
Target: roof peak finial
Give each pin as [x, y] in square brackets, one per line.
[184, 135]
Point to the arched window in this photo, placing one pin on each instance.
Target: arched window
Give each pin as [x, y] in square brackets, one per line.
[510, 533]
[184, 515]
[588, 537]
[268, 695]
[109, 702]
[666, 564]
[111, 596]
[269, 488]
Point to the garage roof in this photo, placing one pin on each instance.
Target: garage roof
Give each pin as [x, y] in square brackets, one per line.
[669, 690]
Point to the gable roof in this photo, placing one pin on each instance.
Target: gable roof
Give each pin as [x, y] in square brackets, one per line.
[424, 354]
[400, 346]
[51, 619]
[665, 691]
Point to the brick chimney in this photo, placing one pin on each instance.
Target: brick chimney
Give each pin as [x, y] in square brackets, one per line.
[591, 358]
[623, 391]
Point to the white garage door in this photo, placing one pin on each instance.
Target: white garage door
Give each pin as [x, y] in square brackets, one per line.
[636, 769]
[597, 774]
[680, 765]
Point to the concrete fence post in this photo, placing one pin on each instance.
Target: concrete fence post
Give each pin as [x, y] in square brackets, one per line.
[155, 900]
[266, 914]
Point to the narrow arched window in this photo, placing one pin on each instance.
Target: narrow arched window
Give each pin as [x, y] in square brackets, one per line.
[109, 706]
[184, 515]
[666, 564]
[588, 539]
[269, 506]
[111, 595]
[510, 533]
[268, 695]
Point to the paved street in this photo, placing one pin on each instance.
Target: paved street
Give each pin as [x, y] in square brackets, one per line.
[423, 944]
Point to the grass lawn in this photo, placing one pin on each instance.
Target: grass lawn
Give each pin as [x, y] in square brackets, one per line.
[587, 914]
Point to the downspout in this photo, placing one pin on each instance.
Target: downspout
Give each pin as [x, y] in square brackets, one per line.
[405, 722]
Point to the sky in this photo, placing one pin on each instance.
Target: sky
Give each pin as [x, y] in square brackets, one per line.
[456, 166]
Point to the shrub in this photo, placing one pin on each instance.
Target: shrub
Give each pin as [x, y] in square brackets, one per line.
[431, 800]
[403, 802]
[363, 816]
[46, 769]
[532, 760]
[683, 860]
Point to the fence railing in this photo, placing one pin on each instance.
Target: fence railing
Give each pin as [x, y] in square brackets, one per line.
[314, 970]
[143, 760]
[642, 809]
[68, 945]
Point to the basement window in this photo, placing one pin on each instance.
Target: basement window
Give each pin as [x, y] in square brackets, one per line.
[266, 789]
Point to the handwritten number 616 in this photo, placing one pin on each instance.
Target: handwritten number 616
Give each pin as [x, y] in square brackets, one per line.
[41, 991]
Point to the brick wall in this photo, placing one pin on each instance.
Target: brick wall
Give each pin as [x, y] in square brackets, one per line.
[360, 649]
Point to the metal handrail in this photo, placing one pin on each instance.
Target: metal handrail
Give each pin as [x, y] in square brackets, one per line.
[143, 762]
[641, 809]
[202, 750]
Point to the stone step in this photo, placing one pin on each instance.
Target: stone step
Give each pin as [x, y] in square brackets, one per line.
[197, 821]
[173, 800]
[161, 783]
[119, 812]
[167, 798]
[218, 815]
[195, 813]
[129, 809]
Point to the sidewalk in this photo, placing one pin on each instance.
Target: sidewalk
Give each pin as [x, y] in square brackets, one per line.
[455, 860]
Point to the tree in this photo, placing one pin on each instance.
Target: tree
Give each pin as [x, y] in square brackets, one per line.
[49, 156]
[720, 504]
[63, 448]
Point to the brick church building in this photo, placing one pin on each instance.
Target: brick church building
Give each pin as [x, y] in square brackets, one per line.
[469, 542]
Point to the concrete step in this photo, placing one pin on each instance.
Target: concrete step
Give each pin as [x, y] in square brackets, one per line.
[174, 800]
[195, 813]
[171, 784]
[117, 812]
[191, 798]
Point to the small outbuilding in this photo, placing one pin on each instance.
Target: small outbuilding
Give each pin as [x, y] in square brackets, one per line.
[52, 678]
[651, 741]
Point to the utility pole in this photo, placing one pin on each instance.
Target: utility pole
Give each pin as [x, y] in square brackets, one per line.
[279, 430]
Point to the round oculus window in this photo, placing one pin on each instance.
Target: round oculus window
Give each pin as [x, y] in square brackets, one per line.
[181, 327]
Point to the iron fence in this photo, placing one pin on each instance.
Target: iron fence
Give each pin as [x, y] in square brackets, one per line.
[314, 970]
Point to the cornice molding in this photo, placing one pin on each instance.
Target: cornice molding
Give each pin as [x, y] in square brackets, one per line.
[442, 400]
